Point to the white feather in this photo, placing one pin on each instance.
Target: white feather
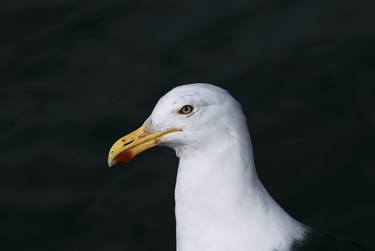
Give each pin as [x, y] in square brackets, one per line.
[221, 205]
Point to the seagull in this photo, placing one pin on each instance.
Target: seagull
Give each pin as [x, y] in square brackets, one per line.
[221, 205]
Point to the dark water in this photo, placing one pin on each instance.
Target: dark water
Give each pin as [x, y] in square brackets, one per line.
[76, 75]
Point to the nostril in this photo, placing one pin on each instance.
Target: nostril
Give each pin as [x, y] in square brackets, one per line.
[127, 143]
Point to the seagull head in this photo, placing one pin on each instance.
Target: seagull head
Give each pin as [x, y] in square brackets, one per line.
[187, 117]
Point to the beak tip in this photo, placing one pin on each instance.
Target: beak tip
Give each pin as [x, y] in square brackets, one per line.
[110, 163]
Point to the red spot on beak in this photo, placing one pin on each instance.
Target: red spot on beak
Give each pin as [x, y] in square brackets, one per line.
[124, 157]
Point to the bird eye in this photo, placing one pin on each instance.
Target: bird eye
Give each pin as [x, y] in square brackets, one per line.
[186, 109]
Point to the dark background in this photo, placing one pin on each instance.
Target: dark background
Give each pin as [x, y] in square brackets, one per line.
[77, 75]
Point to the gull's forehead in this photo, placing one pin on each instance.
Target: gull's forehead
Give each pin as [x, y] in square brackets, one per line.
[200, 94]
[209, 102]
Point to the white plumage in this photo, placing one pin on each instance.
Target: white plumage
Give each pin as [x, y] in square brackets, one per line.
[220, 203]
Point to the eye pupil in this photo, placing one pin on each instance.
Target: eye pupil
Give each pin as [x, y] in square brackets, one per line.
[186, 109]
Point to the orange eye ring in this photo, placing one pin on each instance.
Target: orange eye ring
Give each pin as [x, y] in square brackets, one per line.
[186, 109]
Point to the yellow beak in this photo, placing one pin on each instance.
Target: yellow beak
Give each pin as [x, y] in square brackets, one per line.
[134, 143]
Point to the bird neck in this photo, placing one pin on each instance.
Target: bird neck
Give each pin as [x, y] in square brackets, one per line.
[219, 197]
